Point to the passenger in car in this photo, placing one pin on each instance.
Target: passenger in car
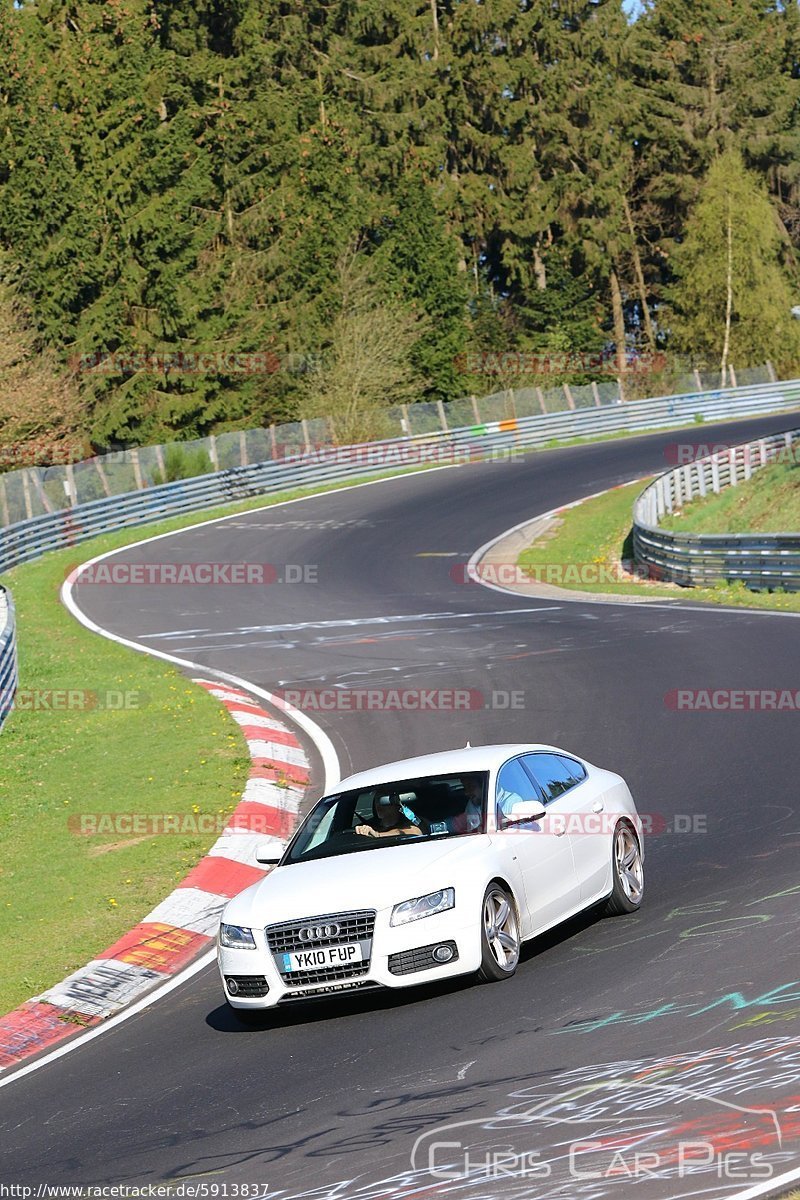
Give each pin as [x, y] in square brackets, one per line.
[470, 820]
[389, 818]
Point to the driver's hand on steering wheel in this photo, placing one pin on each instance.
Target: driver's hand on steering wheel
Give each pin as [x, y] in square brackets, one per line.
[365, 831]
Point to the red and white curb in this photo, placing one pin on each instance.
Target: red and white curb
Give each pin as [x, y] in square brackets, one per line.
[184, 925]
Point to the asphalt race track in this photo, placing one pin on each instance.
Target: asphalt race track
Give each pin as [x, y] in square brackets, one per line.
[671, 1035]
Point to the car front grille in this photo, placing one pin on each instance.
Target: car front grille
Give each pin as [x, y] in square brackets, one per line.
[247, 987]
[318, 933]
[420, 959]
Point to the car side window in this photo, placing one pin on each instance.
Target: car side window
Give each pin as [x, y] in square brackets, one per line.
[554, 773]
[513, 784]
[576, 769]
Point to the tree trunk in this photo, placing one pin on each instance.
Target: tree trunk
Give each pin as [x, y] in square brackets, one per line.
[539, 269]
[619, 330]
[726, 345]
[637, 266]
[435, 20]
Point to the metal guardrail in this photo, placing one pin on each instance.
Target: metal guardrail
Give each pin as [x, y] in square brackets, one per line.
[65, 482]
[8, 654]
[26, 540]
[761, 561]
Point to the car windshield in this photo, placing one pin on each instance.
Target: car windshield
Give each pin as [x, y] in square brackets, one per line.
[388, 814]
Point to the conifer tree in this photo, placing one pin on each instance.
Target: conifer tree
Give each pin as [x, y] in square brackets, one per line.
[732, 300]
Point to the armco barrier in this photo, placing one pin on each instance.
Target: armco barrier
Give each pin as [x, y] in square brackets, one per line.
[26, 540]
[8, 654]
[759, 560]
[38, 489]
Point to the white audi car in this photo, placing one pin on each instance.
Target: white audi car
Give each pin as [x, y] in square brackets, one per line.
[431, 867]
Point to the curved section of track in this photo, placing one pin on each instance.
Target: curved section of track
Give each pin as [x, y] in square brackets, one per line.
[675, 1028]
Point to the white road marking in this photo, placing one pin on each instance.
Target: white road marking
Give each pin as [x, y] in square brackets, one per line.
[353, 622]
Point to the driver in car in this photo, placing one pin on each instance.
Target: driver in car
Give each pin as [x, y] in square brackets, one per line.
[389, 818]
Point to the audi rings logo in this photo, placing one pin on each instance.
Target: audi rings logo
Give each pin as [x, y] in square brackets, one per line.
[318, 933]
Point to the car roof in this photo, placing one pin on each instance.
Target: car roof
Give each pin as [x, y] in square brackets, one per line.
[468, 758]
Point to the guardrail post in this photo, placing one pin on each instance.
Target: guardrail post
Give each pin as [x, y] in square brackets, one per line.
[596, 393]
[137, 469]
[540, 398]
[272, 442]
[697, 380]
[511, 406]
[161, 465]
[664, 499]
[734, 481]
[242, 448]
[37, 482]
[732, 374]
[568, 394]
[26, 494]
[715, 474]
[103, 477]
[71, 489]
[4, 502]
[442, 417]
[476, 412]
[212, 451]
[773, 378]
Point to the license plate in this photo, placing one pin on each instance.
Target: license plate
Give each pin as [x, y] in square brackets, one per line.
[328, 956]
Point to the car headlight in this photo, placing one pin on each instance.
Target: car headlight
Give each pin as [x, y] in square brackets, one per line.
[423, 906]
[236, 937]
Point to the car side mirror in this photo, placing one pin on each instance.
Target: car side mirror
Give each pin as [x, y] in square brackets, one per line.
[525, 811]
[268, 854]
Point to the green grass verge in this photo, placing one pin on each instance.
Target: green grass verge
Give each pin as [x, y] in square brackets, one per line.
[592, 538]
[172, 749]
[769, 502]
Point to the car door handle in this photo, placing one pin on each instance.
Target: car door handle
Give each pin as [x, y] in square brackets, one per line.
[598, 806]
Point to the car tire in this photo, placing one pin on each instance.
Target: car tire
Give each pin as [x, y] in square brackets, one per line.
[500, 938]
[627, 872]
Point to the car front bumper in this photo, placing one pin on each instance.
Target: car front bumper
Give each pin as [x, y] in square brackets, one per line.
[399, 957]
